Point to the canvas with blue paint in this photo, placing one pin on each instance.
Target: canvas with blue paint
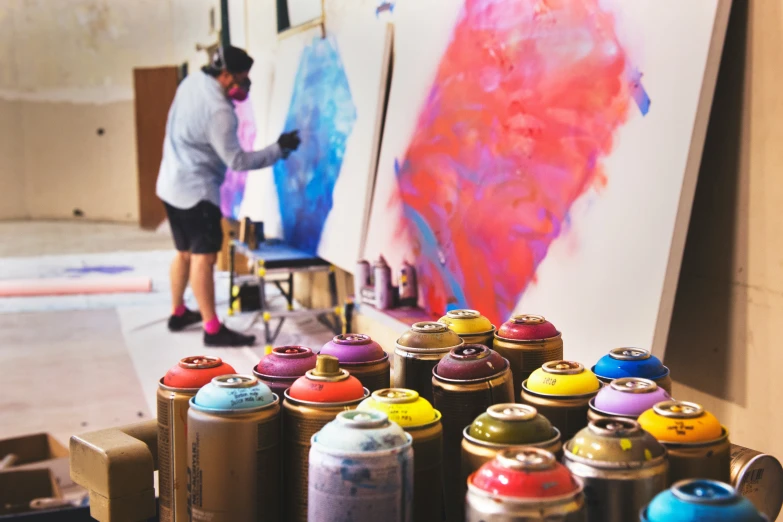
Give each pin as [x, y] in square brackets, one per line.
[323, 110]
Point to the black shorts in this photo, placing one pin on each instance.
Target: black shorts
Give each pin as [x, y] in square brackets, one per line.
[196, 229]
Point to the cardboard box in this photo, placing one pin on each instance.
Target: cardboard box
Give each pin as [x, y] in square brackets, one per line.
[39, 451]
[18, 488]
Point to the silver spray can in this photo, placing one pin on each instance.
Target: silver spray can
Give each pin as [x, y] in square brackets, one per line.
[361, 468]
[622, 467]
[381, 274]
[361, 279]
[406, 282]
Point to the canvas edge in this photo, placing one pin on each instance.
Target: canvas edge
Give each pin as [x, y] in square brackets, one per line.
[693, 164]
[377, 140]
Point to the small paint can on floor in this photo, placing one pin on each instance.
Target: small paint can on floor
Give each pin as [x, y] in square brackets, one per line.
[759, 478]
[233, 453]
[628, 397]
[360, 468]
[416, 353]
[527, 341]
[284, 365]
[470, 325]
[175, 390]
[632, 362]
[700, 500]
[622, 467]
[561, 392]
[524, 485]
[504, 426]
[362, 357]
[310, 403]
[418, 418]
[465, 383]
[698, 445]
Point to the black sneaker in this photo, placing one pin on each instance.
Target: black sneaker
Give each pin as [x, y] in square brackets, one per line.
[178, 323]
[225, 337]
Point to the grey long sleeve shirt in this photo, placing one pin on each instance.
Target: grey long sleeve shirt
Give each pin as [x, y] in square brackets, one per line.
[201, 142]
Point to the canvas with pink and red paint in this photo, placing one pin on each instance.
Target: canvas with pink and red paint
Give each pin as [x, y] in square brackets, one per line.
[541, 157]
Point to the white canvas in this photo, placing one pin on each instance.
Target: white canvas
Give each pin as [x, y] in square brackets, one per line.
[364, 44]
[608, 278]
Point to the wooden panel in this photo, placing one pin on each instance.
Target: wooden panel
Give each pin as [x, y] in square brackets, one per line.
[154, 90]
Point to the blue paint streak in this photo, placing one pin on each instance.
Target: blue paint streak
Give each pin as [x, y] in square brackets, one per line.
[99, 270]
[322, 109]
[638, 93]
[429, 251]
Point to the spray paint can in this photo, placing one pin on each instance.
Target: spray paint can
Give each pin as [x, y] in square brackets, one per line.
[283, 365]
[632, 362]
[465, 383]
[361, 468]
[417, 352]
[698, 445]
[233, 454]
[622, 467]
[524, 485]
[382, 281]
[417, 417]
[311, 402]
[174, 392]
[362, 357]
[628, 397]
[527, 341]
[504, 426]
[759, 478]
[361, 279]
[702, 500]
[470, 325]
[561, 392]
[408, 286]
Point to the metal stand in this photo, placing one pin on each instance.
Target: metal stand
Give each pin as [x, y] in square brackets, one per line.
[269, 260]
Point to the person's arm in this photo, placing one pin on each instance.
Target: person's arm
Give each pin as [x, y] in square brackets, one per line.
[223, 138]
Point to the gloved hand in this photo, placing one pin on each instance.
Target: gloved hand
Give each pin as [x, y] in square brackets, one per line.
[289, 141]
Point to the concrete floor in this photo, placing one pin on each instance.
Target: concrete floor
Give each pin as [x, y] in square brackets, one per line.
[74, 365]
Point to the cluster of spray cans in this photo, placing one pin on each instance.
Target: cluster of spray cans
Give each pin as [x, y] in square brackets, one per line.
[607, 443]
[476, 423]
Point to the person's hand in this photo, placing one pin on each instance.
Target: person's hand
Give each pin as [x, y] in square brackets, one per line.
[289, 141]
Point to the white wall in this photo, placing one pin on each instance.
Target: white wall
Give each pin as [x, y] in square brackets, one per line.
[66, 71]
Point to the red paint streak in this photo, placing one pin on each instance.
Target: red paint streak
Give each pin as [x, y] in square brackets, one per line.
[523, 107]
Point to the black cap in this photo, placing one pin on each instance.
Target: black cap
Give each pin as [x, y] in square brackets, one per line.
[232, 59]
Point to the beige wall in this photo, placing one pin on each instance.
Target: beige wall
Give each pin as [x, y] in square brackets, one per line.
[66, 71]
[12, 179]
[728, 317]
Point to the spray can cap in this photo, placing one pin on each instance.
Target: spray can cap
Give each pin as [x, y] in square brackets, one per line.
[512, 412]
[629, 354]
[200, 362]
[563, 367]
[633, 385]
[327, 368]
[678, 409]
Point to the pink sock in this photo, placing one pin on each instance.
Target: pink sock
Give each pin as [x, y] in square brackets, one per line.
[213, 326]
[180, 310]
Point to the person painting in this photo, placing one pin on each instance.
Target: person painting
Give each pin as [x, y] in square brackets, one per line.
[201, 143]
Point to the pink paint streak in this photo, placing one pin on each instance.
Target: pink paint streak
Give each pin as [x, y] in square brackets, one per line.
[233, 189]
[523, 108]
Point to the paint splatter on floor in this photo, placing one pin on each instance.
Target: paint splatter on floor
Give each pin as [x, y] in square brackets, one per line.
[524, 106]
[323, 111]
[108, 270]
